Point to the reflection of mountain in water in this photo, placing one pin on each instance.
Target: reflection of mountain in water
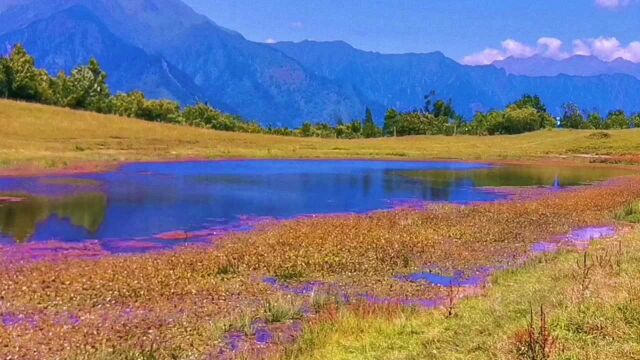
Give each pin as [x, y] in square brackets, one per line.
[19, 220]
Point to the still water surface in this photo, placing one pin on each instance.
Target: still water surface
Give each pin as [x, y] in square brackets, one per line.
[141, 200]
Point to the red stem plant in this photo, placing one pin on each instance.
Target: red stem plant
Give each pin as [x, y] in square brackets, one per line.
[536, 342]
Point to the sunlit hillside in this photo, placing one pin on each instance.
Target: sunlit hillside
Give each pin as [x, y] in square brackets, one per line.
[42, 136]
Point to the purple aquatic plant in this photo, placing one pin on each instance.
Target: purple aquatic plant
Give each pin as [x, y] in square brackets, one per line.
[579, 238]
[68, 319]
[236, 341]
[545, 248]
[591, 233]
[52, 250]
[10, 320]
[263, 336]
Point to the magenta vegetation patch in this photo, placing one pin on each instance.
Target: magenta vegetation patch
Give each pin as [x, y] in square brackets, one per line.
[580, 238]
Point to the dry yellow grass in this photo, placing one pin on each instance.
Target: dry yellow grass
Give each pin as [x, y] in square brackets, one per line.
[42, 136]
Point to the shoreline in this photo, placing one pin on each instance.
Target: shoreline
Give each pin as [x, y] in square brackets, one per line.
[95, 167]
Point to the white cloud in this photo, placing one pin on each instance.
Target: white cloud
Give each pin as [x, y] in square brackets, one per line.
[517, 49]
[607, 49]
[270, 41]
[604, 48]
[612, 4]
[485, 57]
[510, 48]
[551, 48]
[580, 47]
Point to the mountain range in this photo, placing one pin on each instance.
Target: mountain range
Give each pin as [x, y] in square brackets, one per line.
[167, 50]
[577, 65]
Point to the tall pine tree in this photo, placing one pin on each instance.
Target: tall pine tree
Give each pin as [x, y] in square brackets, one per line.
[369, 128]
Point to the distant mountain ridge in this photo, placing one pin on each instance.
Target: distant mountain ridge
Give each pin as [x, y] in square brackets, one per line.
[167, 50]
[401, 81]
[577, 65]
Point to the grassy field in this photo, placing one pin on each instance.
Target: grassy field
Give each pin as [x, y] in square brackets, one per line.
[599, 321]
[47, 137]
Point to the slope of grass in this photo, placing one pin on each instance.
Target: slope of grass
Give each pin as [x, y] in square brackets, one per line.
[41, 136]
[601, 321]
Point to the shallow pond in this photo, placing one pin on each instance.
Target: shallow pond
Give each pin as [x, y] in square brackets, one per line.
[199, 199]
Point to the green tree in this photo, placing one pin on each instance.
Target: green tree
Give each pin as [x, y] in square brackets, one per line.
[495, 123]
[129, 104]
[306, 130]
[22, 80]
[444, 109]
[369, 127]
[97, 93]
[242, 125]
[391, 121]
[617, 120]
[595, 121]
[545, 120]
[572, 117]
[520, 120]
[635, 121]
[416, 123]
[203, 115]
[86, 88]
[160, 111]
[487, 123]
[4, 79]
[532, 101]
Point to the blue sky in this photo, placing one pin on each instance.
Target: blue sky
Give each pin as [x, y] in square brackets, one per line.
[459, 28]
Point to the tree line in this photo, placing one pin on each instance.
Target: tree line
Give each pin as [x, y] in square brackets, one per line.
[86, 88]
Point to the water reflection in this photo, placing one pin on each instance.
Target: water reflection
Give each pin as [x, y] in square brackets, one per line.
[141, 200]
[518, 176]
[82, 213]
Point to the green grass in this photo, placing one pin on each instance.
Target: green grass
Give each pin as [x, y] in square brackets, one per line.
[602, 324]
[282, 309]
[631, 213]
[40, 137]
